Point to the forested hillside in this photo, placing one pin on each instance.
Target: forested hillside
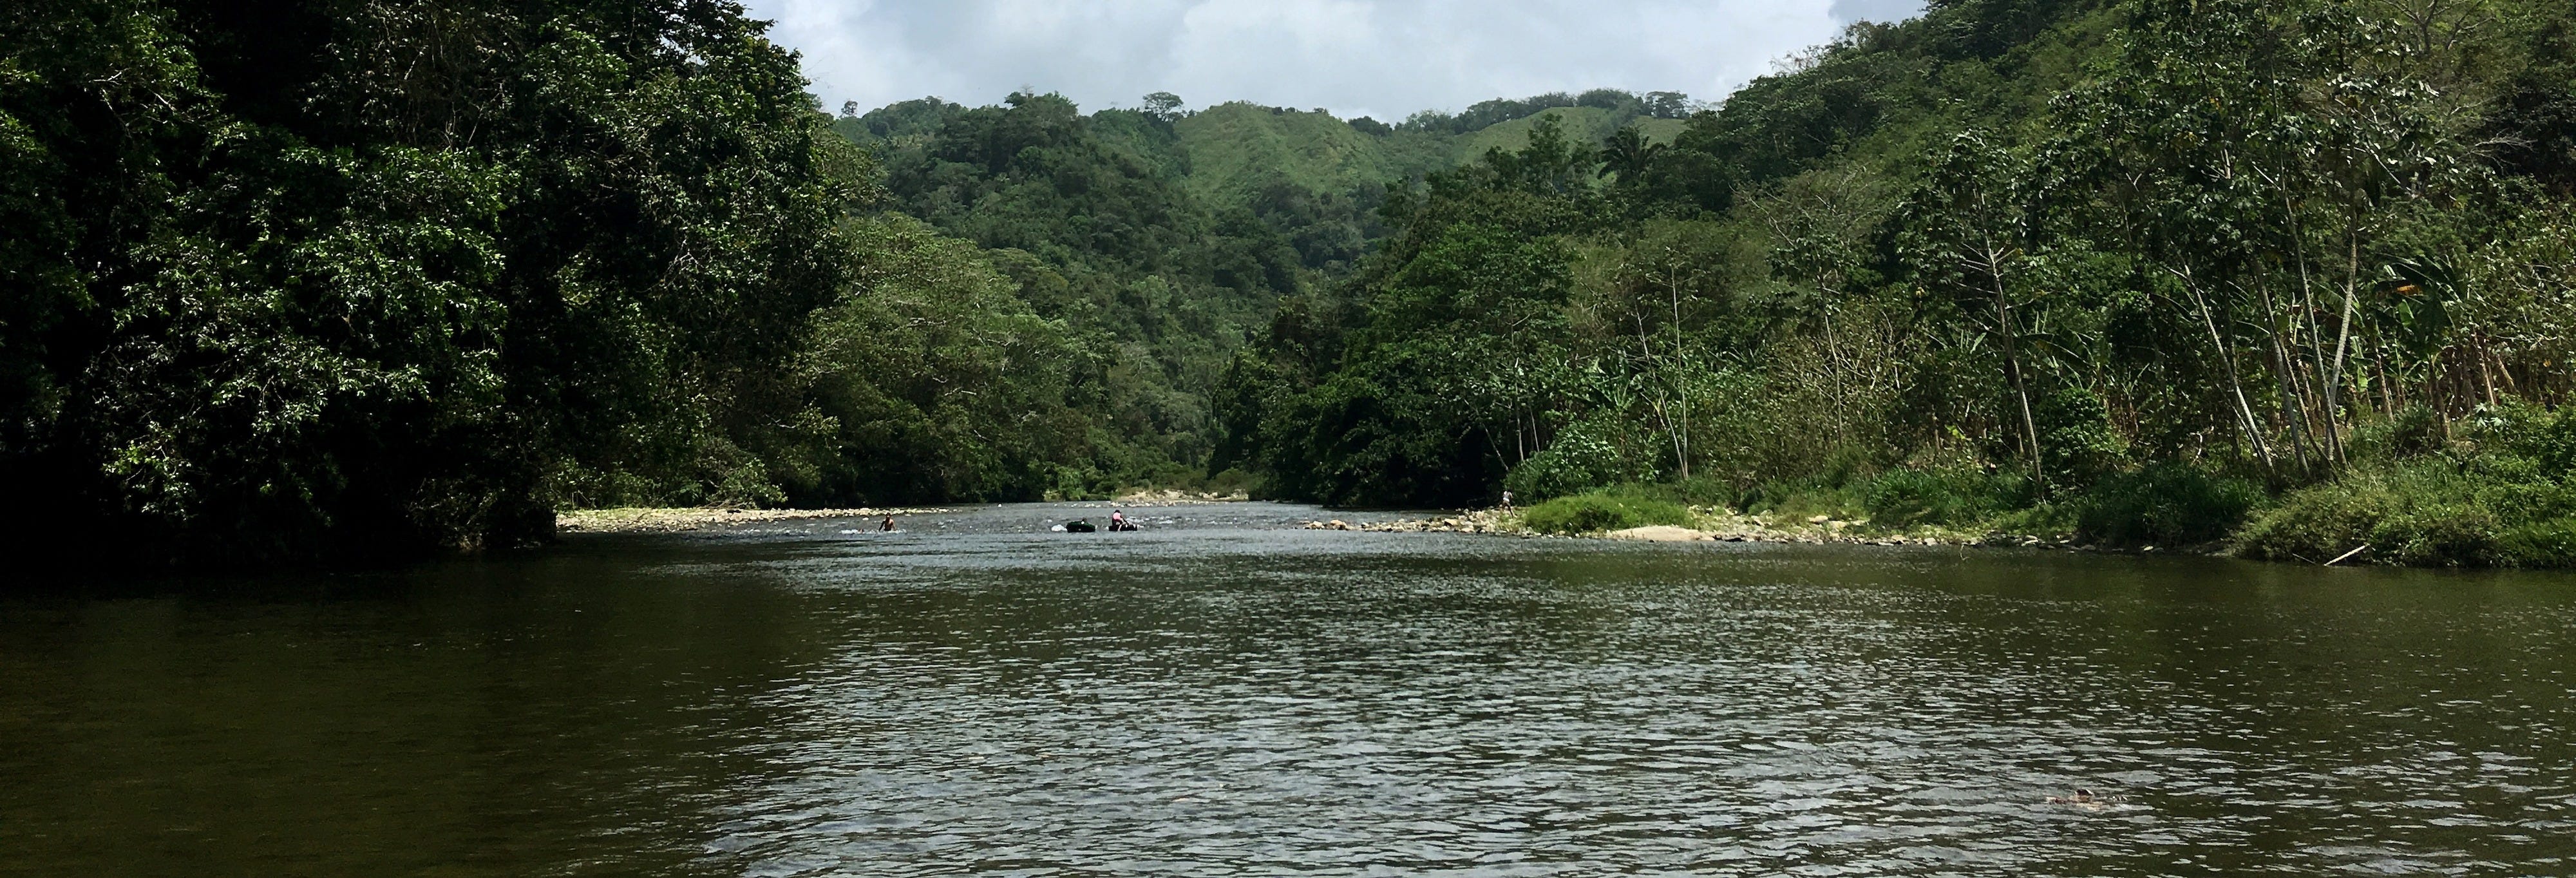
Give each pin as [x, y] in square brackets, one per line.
[1162, 239]
[2153, 272]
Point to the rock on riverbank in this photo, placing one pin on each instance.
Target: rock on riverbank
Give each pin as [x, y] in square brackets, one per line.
[1716, 524]
[1173, 497]
[1479, 521]
[1665, 533]
[658, 520]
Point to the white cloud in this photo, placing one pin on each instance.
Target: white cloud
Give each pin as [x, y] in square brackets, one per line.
[1385, 58]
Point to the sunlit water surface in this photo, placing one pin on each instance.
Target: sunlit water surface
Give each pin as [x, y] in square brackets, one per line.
[1224, 693]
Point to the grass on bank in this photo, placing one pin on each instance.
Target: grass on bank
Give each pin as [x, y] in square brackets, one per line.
[2493, 490]
[1603, 511]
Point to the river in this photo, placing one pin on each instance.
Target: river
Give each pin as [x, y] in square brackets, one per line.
[1224, 693]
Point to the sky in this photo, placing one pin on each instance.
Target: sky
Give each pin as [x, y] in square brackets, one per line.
[1381, 58]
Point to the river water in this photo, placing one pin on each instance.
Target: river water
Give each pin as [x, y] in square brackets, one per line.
[1225, 694]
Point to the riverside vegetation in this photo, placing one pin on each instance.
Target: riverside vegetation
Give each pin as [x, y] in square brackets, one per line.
[2293, 278]
[296, 280]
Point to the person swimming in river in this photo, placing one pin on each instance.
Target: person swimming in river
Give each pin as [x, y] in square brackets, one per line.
[2082, 798]
[888, 525]
[1117, 520]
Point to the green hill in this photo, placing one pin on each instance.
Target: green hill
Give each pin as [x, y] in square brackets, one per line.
[1236, 148]
[1162, 239]
[1228, 155]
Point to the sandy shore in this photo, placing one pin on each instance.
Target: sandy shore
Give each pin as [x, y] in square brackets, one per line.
[1719, 525]
[653, 520]
[1722, 525]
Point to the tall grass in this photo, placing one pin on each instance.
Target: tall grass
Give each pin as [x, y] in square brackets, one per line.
[2494, 490]
[2165, 504]
[2427, 512]
[1603, 511]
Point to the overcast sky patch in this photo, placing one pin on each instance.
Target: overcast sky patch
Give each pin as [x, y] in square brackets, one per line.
[1382, 58]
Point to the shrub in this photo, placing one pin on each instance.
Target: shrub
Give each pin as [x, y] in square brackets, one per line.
[1697, 490]
[1798, 497]
[2549, 543]
[2546, 439]
[2415, 430]
[2318, 523]
[1949, 495]
[734, 478]
[1234, 481]
[1584, 458]
[1591, 513]
[2164, 504]
[2056, 519]
[2423, 513]
[2438, 535]
[2079, 442]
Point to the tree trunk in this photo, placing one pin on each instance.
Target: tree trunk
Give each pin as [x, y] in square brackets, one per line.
[2235, 382]
[2012, 368]
[2343, 340]
[1681, 378]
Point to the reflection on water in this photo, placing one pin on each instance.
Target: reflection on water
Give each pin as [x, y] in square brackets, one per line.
[1225, 694]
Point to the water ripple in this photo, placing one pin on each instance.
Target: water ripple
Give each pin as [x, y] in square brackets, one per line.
[1327, 704]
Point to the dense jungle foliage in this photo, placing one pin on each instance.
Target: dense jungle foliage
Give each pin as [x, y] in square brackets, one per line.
[2151, 272]
[304, 279]
[1160, 240]
[299, 279]
[337, 279]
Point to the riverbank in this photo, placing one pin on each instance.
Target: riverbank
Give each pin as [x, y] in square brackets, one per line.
[1177, 497]
[1704, 524]
[1718, 524]
[645, 519]
[661, 519]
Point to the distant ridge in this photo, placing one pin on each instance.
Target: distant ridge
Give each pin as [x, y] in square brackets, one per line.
[1231, 152]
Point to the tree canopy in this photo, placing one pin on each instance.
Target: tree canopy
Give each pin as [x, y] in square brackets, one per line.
[303, 277]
